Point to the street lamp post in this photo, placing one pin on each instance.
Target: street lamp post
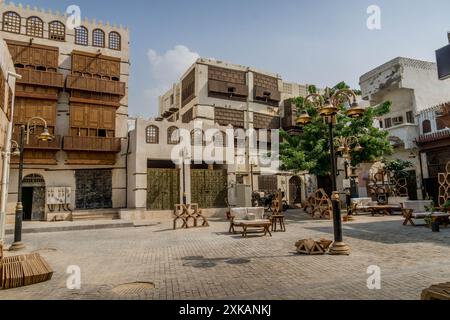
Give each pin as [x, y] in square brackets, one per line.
[329, 111]
[346, 145]
[45, 136]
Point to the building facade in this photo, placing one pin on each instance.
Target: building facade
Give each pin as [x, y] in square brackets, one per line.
[434, 145]
[7, 87]
[223, 97]
[412, 86]
[77, 81]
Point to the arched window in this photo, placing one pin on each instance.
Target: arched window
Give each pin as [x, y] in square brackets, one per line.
[426, 126]
[220, 139]
[56, 31]
[35, 27]
[98, 38]
[173, 135]
[11, 22]
[197, 137]
[152, 134]
[81, 36]
[114, 41]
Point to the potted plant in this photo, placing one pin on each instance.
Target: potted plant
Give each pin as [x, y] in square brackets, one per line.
[429, 219]
[446, 206]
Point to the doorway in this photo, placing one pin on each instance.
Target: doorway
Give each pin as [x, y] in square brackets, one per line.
[295, 190]
[33, 198]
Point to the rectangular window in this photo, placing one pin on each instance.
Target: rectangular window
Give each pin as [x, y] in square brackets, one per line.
[388, 123]
[410, 117]
[102, 133]
[397, 121]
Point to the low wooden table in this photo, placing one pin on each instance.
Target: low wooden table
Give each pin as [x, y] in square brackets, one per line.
[437, 292]
[262, 225]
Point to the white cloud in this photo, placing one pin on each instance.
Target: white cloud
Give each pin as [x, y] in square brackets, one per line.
[166, 69]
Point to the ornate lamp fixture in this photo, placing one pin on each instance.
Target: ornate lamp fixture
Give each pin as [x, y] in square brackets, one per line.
[329, 110]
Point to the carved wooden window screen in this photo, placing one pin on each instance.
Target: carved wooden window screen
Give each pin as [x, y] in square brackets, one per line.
[197, 137]
[220, 139]
[35, 27]
[426, 126]
[188, 88]
[152, 135]
[98, 38]
[188, 116]
[81, 36]
[56, 31]
[444, 186]
[11, 22]
[114, 41]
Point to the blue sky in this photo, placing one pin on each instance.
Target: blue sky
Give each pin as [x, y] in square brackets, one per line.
[318, 42]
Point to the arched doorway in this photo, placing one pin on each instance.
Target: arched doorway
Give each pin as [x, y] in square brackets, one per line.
[33, 197]
[295, 190]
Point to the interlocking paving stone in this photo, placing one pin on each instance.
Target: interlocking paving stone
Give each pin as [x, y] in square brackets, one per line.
[209, 263]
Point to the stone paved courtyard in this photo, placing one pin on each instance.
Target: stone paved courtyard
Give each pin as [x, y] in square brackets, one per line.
[209, 263]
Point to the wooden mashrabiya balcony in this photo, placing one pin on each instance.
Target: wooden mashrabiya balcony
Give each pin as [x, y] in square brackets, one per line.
[92, 144]
[81, 83]
[41, 78]
[35, 144]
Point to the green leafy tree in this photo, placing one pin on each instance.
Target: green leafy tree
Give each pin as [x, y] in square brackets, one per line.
[398, 167]
[310, 151]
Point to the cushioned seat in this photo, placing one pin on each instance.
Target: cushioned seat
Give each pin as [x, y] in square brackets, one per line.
[420, 215]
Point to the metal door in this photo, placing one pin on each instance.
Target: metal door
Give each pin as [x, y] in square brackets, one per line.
[94, 189]
[209, 188]
[38, 211]
[163, 189]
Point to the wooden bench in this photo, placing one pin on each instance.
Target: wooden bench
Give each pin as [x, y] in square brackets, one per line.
[249, 218]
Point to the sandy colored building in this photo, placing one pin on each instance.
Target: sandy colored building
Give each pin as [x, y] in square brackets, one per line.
[434, 144]
[220, 96]
[7, 87]
[412, 86]
[77, 81]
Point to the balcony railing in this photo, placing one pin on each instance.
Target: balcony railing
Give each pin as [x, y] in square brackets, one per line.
[35, 144]
[95, 85]
[93, 144]
[41, 78]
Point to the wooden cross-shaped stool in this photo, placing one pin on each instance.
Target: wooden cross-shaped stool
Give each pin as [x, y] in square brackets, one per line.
[198, 215]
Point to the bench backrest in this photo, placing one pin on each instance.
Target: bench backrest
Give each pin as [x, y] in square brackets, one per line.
[362, 202]
[397, 200]
[242, 213]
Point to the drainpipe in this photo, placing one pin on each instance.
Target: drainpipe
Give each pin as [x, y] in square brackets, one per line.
[126, 165]
[6, 162]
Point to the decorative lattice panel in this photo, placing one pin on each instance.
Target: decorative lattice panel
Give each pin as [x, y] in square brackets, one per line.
[399, 187]
[444, 186]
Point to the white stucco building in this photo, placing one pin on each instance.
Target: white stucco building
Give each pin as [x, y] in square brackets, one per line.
[412, 86]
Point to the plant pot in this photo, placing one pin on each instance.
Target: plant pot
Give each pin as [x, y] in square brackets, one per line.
[435, 226]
